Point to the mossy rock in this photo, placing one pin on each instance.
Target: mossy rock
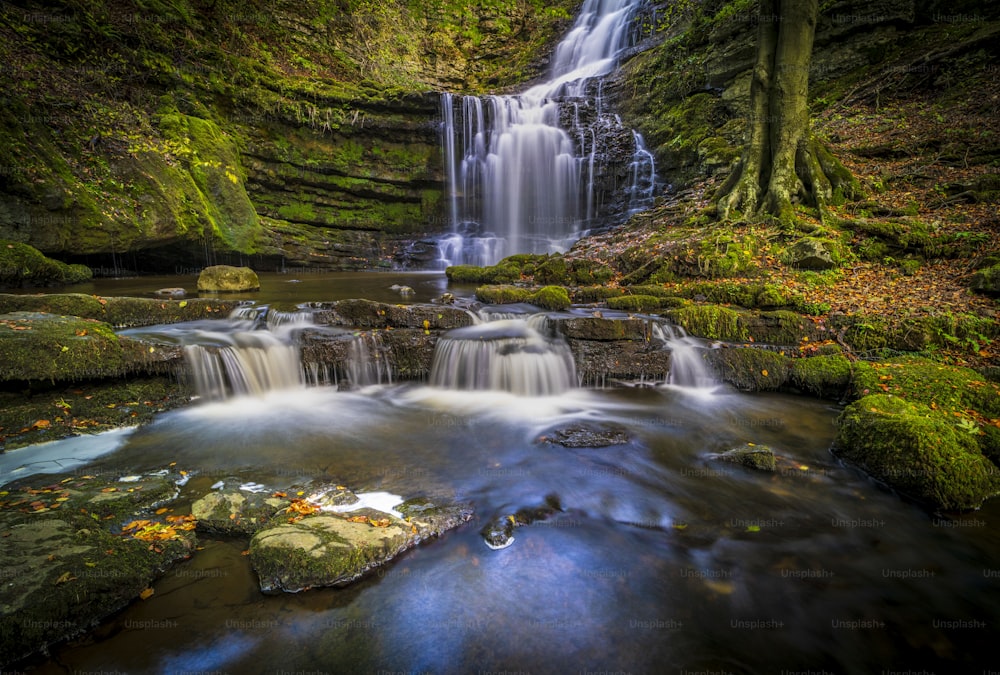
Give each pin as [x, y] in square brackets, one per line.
[237, 511]
[595, 293]
[987, 281]
[134, 312]
[917, 450]
[823, 376]
[468, 274]
[66, 569]
[812, 253]
[552, 271]
[590, 272]
[711, 322]
[635, 303]
[24, 265]
[780, 327]
[552, 298]
[40, 346]
[69, 304]
[503, 295]
[228, 279]
[750, 369]
[757, 457]
[928, 382]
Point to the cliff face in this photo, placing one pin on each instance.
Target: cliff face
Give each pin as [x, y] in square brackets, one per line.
[158, 136]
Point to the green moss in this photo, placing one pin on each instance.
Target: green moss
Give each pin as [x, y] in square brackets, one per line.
[916, 450]
[751, 369]
[635, 303]
[711, 322]
[758, 457]
[24, 265]
[467, 274]
[553, 271]
[590, 272]
[987, 281]
[596, 293]
[822, 376]
[38, 346]
[930, 383]
[71, 304]
[503, 295]
[553, 298]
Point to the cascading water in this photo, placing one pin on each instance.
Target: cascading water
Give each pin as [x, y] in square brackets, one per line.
[506, 355]
[518, 181]
[687, 364]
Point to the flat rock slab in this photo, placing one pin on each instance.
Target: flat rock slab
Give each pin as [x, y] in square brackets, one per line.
[237, 511]
[65, 561]
[334, 550]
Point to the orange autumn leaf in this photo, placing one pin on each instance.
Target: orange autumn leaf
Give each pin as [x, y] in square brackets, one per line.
[146, 594]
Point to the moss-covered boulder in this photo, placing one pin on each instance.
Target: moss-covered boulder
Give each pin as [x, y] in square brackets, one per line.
[635, 303]
[40, 346]
[599, 328]
[752, 456]
[334, 550]
[123, 312]
[917, 450]
[228, 279]
[823, 376]
[931, 383]
[750, 369]
[552, 298]
[503, 295]
[811, 253]
[78, 548]
[24, 265]
[987, 281]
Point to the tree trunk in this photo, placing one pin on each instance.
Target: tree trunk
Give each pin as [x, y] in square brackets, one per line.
[782, 162]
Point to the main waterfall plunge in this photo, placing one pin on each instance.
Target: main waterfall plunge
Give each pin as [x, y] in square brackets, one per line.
[522, 169]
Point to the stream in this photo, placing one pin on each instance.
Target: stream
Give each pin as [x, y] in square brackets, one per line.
[660, 558]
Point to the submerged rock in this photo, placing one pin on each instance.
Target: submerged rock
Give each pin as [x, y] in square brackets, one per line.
[228, 279]
[76, 549]
[498, 533]
[588, 435]
[335, 549]
[759, 457]
[170, 292]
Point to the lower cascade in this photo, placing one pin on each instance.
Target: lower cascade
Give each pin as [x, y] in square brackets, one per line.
[687, 366]
[507, 355]
[256, 355]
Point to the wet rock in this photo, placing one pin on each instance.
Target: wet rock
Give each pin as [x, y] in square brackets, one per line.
[750, 369]
[69, 558]
[119, 312]
[334, 550]
[238, 511]
[170, 292]
[601, 329]
[759, 457]
[601, 363]
[369, 314]
[588, 435]
[498, 533]
[228, 279]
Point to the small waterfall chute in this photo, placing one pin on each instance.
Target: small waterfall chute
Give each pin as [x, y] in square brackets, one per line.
[506, 355]
[688, 368]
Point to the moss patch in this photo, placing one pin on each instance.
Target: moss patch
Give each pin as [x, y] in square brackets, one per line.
[711, 322]
[916, 450]
[24, 265]
[39, 346]
[750, 369]
[822, 376]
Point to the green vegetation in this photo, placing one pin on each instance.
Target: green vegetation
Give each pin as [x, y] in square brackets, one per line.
[24, 265]
[711, 322]
[750, 369]
[635, 303]
[552, 298]
[37, 346]
[823, 376]
[918, 450]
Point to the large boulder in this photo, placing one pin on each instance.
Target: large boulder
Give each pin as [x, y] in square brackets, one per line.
[920, 451]
[228, 279]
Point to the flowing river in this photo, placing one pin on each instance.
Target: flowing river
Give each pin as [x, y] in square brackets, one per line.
[660, 559]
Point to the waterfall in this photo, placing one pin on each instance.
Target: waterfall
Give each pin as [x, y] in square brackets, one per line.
[506, 355]
[687, 365]
[367, 362]
[518, 181]
[252, 353]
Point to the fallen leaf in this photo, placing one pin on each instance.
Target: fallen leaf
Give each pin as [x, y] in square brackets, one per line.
[146, 594]
[65, 578]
